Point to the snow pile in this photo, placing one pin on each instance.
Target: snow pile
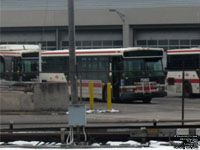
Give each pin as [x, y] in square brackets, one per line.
[31, 143]
[90, 111]
[93, 111]
[24, 143]
[158, 144]
[96, 145]
[128, 143]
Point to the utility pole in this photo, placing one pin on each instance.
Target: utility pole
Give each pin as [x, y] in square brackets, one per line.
[72, 53]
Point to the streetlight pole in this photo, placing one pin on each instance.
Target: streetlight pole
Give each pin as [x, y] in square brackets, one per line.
[72, 53]
[125, 27]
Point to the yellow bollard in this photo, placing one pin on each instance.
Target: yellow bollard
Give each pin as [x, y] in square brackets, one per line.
[91, 88]
[109, 102]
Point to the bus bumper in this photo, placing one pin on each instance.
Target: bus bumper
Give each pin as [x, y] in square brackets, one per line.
[140, 96]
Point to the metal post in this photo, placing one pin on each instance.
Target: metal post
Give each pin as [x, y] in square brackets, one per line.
[81, 94]
[40, 63]
[183, 94]
[91, 88]
[72, 54]
[109, 101]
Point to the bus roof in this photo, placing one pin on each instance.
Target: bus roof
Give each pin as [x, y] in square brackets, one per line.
[17, 47]
[17, 50]
[184, 51]
[94, 52]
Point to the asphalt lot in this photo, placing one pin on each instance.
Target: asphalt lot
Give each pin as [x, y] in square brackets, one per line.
[166, 108]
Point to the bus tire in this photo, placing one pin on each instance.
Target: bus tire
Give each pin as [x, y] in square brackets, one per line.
[147, 100]
[188, 90]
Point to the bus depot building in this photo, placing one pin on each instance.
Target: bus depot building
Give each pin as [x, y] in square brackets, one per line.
[101, 24]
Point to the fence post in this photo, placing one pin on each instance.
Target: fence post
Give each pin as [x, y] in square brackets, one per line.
[109, 103]
[91, 88]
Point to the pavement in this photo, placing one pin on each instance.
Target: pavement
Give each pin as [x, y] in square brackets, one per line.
[160, 109]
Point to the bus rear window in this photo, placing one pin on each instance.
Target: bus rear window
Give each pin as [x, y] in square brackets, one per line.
[179, 62]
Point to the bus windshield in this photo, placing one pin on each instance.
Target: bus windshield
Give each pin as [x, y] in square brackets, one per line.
[142, 67]
[29, 65]
[2, 65]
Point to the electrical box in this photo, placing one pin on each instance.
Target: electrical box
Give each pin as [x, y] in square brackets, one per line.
[77, 115]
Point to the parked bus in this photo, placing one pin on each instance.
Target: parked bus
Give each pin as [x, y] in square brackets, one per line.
[135, 73]
[187, 60]
[19, 62]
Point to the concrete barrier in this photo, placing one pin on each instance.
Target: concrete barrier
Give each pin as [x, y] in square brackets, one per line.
[42, 97]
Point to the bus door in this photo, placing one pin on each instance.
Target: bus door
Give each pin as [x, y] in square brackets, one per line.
[116, 76]
[2, 67]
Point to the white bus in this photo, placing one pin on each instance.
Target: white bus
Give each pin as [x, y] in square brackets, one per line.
[19, 62]
[189, 61]
[135, 73]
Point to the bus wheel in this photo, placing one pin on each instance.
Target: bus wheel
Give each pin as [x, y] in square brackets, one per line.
[147, 100]
[188, 90]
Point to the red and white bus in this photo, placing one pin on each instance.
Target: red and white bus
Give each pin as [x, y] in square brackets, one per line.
[187, 60]
[135, 73]
[18, 62]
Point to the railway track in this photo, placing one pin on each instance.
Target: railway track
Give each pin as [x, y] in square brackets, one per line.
[100, 131]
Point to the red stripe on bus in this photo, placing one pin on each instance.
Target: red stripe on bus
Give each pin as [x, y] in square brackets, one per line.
[187, 51]
[99, 52]
[52, 53]
[9, 53]
[191, 80]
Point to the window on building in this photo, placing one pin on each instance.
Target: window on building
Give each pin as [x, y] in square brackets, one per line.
[152, 42]
[184, 42]
[173, 42]
[65, 43]
[107, 43]
[51, 43]
[162, 42]
[118, 43]
[87, 43]
[78, 43]
[141, 42]
[195, 42]
[97, 43]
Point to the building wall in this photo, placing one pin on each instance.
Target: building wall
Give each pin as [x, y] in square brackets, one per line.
[170, 24]
[168, 38]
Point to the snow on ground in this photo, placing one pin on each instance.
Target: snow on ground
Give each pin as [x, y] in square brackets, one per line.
[93, 111]
[90, 111]
[128, 145]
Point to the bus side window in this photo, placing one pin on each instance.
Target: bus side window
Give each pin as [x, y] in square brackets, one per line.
[103, 68]
[82, 67]
[93, 67]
